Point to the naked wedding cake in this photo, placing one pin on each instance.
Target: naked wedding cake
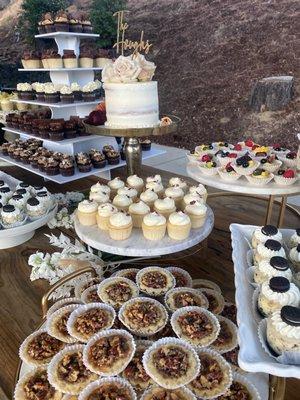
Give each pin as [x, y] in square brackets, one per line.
[131, 97]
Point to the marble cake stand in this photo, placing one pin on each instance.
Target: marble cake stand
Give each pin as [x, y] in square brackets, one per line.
[243, 187]
[137, 245]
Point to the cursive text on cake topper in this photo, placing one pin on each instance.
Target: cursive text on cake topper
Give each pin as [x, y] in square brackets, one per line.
[127, 44]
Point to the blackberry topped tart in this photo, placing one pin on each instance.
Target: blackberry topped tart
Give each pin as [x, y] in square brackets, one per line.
[117, 290]
[155, 281]
[185, 297]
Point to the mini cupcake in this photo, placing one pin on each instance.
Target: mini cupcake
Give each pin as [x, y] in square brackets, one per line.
[128, 191]
[176, 193]
[120, 226]
[105, 211]
[283, 330]
[295, 256]
[295, 238]
[228, 173]
[267, 250]
[285, 177]
[34, 208]
[66, 167]
[261, 235]
[23, 192]
[178, 182]
[102, 58]
[289, 159]
[45, 198]
[77, 92]
[84, 163]
[86, 59]
[138, 211]
[149, 197]
[135, 182]
[114, 185]
[61, 21]
[122, 202]
[57, 323]
[51, 94]
[200, 190]
[189, 197]
[154, 226]
[270, 163]
[86, 212]
[197, 213]
[11, 216]
[227, 338]
[66, 94]
[99, 187]
[184, 297]
[113, 157]
[215, 300]
[116, 291]
[245, 165]
[52, 167]
[165, 206]
[6, 193]
[155, 281]
[275, 266]
[157, 187]
[182, 277]
[275, 294]
[69, 59]
[99, 197]
[98, 160]
[154, 178]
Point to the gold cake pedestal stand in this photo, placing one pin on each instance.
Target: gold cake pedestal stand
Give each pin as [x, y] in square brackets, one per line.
[131, 136]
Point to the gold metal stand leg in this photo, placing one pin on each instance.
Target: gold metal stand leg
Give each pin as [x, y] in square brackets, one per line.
[269, 210]
[282, 211]
[277, 388]
[133, 155]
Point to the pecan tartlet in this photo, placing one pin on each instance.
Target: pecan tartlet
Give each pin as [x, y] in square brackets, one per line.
[232, 356]
[80, 288]
[205, 284]
[90, 295]
[215, 300]
[113, 388]
[185, 297]
[87, 320]
[62, 303]
[171, 363]
[159, 393]
[229, 311]
[195, 325]
[143, 316]
[109, 352]
[240, 389]
[117, 290]
[155, 281]
[39, 348]
[214, 377]
[129, 273]
[182, 277]
[227, 338]
[57, 324]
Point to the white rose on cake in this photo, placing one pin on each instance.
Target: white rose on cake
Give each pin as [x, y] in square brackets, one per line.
[124, 69]
[147, 68]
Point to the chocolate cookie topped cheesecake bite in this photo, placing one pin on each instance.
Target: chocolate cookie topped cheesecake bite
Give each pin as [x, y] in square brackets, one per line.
[261, 235]
[276, 266]
[270, 248]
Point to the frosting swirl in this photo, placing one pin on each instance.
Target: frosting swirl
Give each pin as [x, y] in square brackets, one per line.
[154, 219]
[266, 268]
[106, 210]
[295, 254]
[155, 178]
[262, 238]
[179, 218]
[148, 195]
[264, 252]
[139, 208]
[164, 204]
[196, 208]
[290, 297]
[120, 219]
[99, 197]
[122, 200]
[176, 181]
[98, 187]
[116, 183]
[87, 206]
[200, 189]
[135, 181]
[174, 192]
[156, 186]
[127, 191]
[284, 329]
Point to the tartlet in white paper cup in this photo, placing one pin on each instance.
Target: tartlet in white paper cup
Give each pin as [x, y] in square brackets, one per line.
[209, 392]
[207, 171]
[245, 171]
[62, 303]
[206, 284]
[223, 347]
[63, 383]
[182, 393]
[196, 298]
[29, 359]
[259, 181]
[81, 311]
[106, 297]
[120, 364]
[177, 271]
[168, 346]
[149, 330]
[90, 295]
[211, 296]
[204, 341]
[227, 176]
[272, 167]
[128, 392]
[245, 382]
[152, 291]
[282, 181]
[288, 162]
[128, 273]
[85, 284]
[60, 315]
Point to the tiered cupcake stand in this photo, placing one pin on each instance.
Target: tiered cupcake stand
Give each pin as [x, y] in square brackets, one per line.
[243, 188]
[71, 41]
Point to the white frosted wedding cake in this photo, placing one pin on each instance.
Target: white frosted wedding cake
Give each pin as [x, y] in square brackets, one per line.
[131, 97]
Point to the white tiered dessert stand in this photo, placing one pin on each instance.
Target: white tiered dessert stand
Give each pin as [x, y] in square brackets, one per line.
[71, 41]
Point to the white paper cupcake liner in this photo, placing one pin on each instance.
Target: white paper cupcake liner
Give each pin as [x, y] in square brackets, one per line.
[250, 277]
[78, 290]
[207, 171]
[81, 310]
[63, 302]
[106, 282]
[116, 369]
[219, 297]
[256, 314]
[249, 257]
[234, 331]
[123, 272]
[289, 163]
[23, 350]
[228, 176]
[206, 284]
[273, 167]
[282, 181]
[156, 292]
[86, 292]
[96, 384]
[223, 161]
[51, 322]
[193, 291]
[37, 217]
[226, 368]
[178, 382]
[287, 357]
[201, 152]
[187, 276]
[259, 181]
[245, 171]
[64, 386]
[244, 381]
[213, 319]
[186, 393]
[16, 224]
[142, 333]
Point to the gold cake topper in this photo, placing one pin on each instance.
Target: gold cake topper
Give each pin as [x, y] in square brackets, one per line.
[127, 44]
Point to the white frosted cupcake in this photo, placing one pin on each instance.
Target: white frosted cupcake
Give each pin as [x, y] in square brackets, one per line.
[197, 213]
[149, 197]
[99, 197]
[157, 187]
[188, 198]
[86, 212]
[128, 191]
[267, 250]
[138, 211]
[179, 225]
[275, 294]
[295, 238]
[176, 181]
[105, 211]
[135, 182]
[261, 235]
[176, 193]
[295, 256]
[120, 226]
[122, 202]
[154, 178]
[165, 206]
[275, 266]
[114, 185]
[99, 187]
[154, 226]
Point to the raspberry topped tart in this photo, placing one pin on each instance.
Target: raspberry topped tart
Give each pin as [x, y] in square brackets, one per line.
[185, 297]
[117, 290]
[143, 316]
[155, 281]
[171, 363]
[214, 377]
[159, 393]
[109, 352]
[109, 389]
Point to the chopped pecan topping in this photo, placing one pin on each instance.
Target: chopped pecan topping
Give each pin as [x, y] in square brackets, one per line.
[119, 292]
[154, 279]
[185, 299]
[92, 321]
[181, 280]
[143, 313]
[38, 388]
[92, 296]
[229, 312]
[110, 391]
[237, 391]
[211, 375]
[93, 281]
[107, 350]
[195, 325]
[225, 335]
[165, 394]
[135, 372]
[71, 368]
[232, 356]
[213, 302]
[43, 346]
[61, 324]
[130, 275]
[171, 361]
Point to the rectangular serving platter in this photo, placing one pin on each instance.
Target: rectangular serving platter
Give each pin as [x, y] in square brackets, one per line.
[252, 356]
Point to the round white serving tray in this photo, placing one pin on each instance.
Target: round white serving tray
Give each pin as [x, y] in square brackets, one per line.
[15, 236]
[241, 185]
[137, 245]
